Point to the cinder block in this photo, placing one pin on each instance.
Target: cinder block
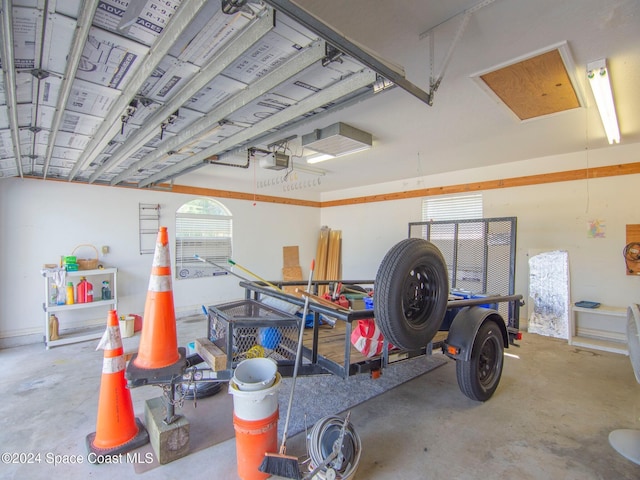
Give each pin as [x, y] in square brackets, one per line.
[169, 442]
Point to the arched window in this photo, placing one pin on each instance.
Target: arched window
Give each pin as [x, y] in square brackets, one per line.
[203, 228]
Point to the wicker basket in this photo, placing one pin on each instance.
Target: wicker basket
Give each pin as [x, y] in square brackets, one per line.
[87, 263]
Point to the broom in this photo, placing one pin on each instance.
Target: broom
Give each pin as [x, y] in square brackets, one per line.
[280, 463]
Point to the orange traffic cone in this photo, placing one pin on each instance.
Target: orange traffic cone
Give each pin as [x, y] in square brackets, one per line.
[117, 429]
[158, 342]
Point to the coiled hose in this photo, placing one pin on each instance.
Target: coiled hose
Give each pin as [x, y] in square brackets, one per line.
[320, 442]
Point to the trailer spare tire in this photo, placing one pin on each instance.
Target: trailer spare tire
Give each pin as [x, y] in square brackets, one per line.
[411, 293]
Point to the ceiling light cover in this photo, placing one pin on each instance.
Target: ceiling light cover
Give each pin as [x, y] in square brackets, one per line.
[318, 157]
[337, 140]
[598, 75]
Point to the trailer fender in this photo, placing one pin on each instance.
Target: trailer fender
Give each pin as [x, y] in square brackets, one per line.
[464, 329]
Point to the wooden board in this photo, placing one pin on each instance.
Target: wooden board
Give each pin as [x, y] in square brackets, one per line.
[291, 274]
[320, 272]
[290, 256]
[211, 354]
[320, 300]
[534, 87]
[631, 168]
[334, 255]
[331, 343]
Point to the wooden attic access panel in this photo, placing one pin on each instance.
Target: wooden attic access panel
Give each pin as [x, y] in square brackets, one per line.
[534, 87]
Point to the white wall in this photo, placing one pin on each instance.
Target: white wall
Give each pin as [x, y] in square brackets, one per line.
[42, 220]
[550, 217]
[369, 231]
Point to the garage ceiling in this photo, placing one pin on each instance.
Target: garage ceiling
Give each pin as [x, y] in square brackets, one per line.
[109, 94]
[139, 93]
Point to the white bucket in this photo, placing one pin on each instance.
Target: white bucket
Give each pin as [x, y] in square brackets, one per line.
[126, 326]
[257, 404]
[255, 374]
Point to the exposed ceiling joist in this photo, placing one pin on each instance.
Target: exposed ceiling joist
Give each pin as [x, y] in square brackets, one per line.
[295, 65]
[10, 80]
[87, 11]
[141, 99]
[196, 84]
[336, 91]
[259, 28]
[179, 21]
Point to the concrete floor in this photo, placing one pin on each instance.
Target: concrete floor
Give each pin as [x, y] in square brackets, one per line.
[549, 419]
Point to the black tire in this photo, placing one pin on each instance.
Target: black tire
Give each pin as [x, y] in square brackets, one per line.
[199, 389]
[478, 377]
[411, 293]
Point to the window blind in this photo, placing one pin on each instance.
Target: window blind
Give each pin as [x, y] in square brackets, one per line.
[208, 236]
[459, 207]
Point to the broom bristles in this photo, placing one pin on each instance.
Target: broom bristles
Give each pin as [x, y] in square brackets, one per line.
[280, 465]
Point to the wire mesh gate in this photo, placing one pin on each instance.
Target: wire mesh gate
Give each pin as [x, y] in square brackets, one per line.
[479, 253]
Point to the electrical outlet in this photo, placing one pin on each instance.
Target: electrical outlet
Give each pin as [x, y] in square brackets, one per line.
[105, 249]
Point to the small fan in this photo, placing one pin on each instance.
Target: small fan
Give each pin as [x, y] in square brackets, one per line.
[631, 254]
[625, 441]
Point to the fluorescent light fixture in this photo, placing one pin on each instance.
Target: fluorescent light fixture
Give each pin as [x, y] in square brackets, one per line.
[306, 169]
[598, 75]
[319, 157]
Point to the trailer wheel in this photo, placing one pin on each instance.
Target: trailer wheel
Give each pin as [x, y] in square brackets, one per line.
[479, 376]
[411, 293]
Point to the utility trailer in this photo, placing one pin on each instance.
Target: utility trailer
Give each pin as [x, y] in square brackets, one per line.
[414, 307]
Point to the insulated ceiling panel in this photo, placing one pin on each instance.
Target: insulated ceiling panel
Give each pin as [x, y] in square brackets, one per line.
[171, 75]
[316, 78]
[58, 36]
[212, 38]
[25, 115]
[25, 22]
[73, 141]
[117, 91]
[109, 60]
[214, 93]
[74, 122]
[273, 50]
[5, 144]
[140, 21]
[24, 87]
[85, 97]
